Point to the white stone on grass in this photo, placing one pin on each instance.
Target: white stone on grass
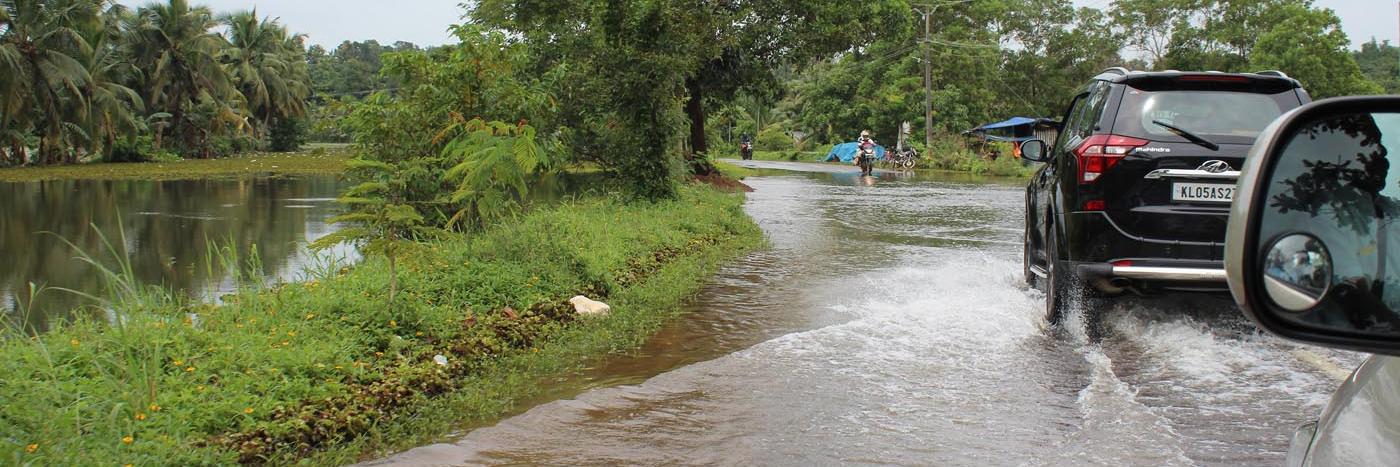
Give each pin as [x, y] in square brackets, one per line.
[586, 307]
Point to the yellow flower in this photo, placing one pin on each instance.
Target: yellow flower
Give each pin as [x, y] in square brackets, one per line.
[159, 325]
[155, 408]
[189, 369]
[284, 343]
[419, 334]
[140, 416]
[199, 388]
[178, 362]
[310, 316]
[393, 323]
[291, 333]
[74, 342]
[128, 439]
[248, 410]
[31, 448]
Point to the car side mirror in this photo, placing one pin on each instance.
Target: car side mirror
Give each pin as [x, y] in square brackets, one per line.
[1313, 249]
[1035, 150]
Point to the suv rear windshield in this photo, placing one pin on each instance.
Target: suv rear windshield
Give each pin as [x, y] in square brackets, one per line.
[1229, 117]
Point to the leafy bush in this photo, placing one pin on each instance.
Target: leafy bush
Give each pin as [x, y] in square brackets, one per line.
[288, 134]
[773, 138]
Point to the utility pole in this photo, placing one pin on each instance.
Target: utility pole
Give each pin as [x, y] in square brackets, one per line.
[928, 83]
[927, 13]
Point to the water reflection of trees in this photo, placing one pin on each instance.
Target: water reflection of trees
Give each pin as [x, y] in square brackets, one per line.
[1353, 192]
[1347, 178]
[168, 229]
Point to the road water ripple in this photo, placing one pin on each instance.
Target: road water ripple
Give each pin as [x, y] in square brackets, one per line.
[888, 324]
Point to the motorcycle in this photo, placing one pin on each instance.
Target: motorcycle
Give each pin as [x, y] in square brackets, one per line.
[865, 158]
[746, 151]
[905, 159]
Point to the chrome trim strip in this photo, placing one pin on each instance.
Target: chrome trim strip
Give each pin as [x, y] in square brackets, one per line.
[1039, 271]
[1184, 173]
[1170, 274]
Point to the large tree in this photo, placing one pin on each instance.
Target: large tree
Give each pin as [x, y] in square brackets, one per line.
[268, 66]
[177, 48]
[700, 51]
[1380, 62]
[41, 71]
[1309, 45]
[115, 109]
[1148, 26]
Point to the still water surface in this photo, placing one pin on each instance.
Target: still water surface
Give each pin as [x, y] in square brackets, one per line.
[169, 228]
[889, 324]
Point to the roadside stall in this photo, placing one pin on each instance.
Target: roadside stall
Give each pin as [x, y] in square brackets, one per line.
[1014, 131]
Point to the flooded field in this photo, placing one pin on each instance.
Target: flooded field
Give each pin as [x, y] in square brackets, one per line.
[169, 228]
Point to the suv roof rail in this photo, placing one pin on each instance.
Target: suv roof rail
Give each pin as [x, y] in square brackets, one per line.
[1117, 69]
[1277, 73]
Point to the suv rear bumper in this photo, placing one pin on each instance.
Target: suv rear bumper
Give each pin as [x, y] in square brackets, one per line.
[1114, 279]
[1151, 273]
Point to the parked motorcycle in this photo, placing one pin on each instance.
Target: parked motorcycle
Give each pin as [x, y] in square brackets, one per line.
[905, 159]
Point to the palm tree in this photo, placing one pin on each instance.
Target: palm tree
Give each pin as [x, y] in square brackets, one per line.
[114, 109]
[41, 70]
[174, 46]
[268, 66]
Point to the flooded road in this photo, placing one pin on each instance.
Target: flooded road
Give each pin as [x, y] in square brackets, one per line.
[889, 324]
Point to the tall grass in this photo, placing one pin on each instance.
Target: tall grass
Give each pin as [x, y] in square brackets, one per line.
[321, 369]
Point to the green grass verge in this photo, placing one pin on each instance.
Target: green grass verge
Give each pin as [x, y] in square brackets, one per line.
[326, 372]
[312, 161]
[733, 171]
[966, 162]
[799, 156]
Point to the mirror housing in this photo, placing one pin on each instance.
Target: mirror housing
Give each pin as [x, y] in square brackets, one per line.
[1035, 150]
[1306, 256]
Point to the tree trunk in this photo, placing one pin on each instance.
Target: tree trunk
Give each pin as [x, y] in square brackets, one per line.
[53, 130]
[695, 109]
[177, 120]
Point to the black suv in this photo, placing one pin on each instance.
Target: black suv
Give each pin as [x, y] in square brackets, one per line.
[1135, 193]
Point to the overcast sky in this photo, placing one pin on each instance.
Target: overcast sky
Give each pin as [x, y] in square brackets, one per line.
[424, 22]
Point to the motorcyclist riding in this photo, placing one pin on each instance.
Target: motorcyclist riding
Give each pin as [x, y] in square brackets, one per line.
[865, 153]
[745, 147]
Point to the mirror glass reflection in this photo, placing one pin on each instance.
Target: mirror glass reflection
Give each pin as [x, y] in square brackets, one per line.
[1297, 272]
[1335, 181]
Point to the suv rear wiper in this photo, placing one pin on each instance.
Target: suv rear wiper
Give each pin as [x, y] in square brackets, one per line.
[1188, 135]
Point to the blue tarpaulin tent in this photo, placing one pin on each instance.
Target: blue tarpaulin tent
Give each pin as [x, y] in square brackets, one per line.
[1012, 129]
[1008, 123]
[846, 152]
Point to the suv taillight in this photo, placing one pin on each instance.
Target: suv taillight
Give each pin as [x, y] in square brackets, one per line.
[1099, 153]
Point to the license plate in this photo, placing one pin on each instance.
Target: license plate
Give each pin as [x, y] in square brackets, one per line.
[1203, 192]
